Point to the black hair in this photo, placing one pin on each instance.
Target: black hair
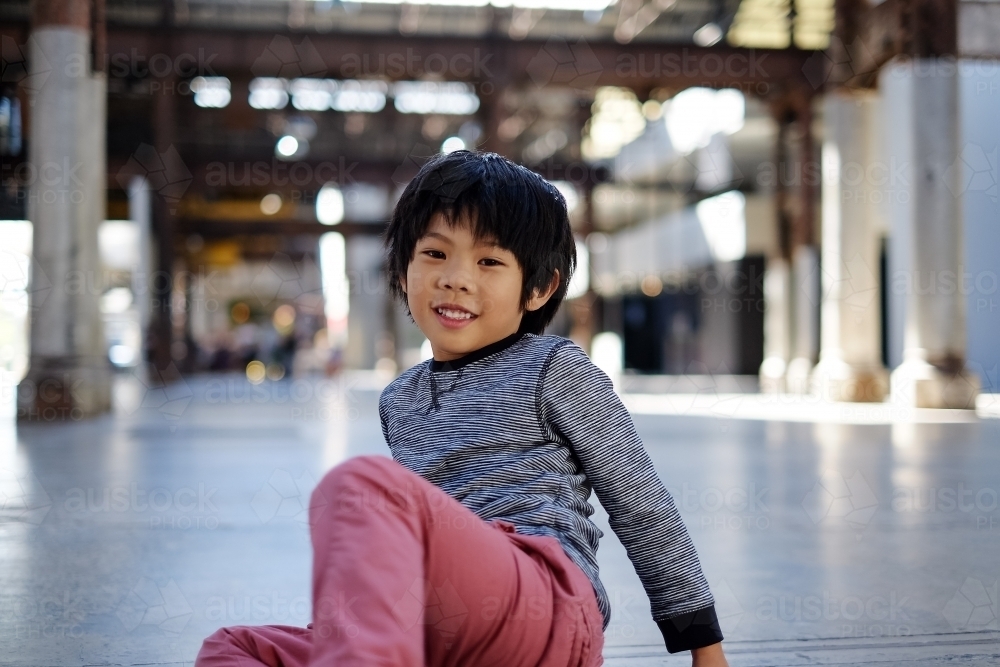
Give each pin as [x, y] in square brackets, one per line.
[506, 204]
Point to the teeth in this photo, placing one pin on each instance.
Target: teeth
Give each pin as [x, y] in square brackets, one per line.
[454, 314]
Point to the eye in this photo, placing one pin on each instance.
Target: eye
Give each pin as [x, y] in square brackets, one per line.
[436, 254]
[491, 262]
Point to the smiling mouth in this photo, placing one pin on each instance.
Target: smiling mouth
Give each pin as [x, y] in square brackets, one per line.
[453, 314]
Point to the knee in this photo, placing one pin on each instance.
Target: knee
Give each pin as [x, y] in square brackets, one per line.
[359, 474]
[369, 469]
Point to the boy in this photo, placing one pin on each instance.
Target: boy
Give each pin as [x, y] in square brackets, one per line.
[474, 547]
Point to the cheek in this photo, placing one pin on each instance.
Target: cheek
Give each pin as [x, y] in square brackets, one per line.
[504, 295]
[415, 280]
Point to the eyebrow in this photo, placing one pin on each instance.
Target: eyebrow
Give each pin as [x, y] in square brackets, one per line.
[486, 244]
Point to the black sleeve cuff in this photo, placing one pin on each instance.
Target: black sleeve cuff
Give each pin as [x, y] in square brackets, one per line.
[695, 629]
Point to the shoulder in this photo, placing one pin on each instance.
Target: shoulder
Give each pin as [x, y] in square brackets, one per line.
[571, 386]
[544, 346]
[535, 354]
[568, 366]
[563, 353]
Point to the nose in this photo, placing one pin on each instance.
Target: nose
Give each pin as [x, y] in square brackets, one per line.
[455, 276]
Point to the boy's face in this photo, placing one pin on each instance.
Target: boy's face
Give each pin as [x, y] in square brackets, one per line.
[464, 295]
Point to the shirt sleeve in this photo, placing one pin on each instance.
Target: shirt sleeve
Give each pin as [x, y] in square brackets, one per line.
[384, 402]
[579, 407]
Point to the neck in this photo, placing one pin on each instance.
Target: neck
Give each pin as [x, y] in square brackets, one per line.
[475, 355]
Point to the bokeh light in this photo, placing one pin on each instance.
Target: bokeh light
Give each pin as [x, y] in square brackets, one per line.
[284, 319]
[452, 144]
[240, 312]
[330, 205]
[256, 372]
[270, 204]
[287, 146]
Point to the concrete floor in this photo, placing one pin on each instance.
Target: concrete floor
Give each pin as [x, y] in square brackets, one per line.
[825, 543]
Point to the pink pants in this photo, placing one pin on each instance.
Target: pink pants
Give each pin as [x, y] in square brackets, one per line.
[404, 575]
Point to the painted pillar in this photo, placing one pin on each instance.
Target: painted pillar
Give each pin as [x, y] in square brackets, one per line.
[777, 276]
[850, 366]
[805, 260]
[933, 373]
[69, 375]
[777, 326]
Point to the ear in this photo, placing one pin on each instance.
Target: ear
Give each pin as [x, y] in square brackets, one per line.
[540, 298]
[402, 283]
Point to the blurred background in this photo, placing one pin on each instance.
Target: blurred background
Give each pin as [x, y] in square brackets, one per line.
[206, 182]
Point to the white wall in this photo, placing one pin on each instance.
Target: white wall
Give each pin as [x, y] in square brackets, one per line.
[979, 106]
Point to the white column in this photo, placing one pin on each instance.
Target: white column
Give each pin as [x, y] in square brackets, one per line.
[777, 325]
[366, 324]
[850, 367]
[933, 372]
[805, 299]
[69, 375]
[140, 211]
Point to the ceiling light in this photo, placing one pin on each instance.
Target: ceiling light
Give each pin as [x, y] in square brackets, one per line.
[311, 94]
[452, 144]
[268, 93]
[330, 205]
[695, 114]
[707, 35]
[354, 95]
[287, 146]
[211, 91]
[426, 97]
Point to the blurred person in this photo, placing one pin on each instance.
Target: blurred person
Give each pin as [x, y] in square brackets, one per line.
[221, 355]
[247, 344]
[473, 545]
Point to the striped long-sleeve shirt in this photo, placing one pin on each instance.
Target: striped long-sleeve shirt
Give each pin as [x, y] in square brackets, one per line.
[522, 430]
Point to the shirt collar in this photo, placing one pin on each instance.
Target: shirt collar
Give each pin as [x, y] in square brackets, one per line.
[476, 355]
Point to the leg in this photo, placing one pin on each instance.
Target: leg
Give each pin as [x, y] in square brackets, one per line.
[403, 574]
[259, 646]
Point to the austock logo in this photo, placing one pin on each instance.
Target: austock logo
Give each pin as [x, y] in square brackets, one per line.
[712, 166]
[705, 392]
[835, 497]
[727, 606]
[14, 64]
[284, 59]
[166, 172]
[411, 164]
[855, 284]
[440, 607]
[165, 391]
[840, 60]
[150, 604]
[973, 607]
[283, 496]
[562, 63]
[280, 278]
[16, 276]
[975, 170]
[22, 498]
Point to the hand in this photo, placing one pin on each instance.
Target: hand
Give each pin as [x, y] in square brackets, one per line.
[709, 656]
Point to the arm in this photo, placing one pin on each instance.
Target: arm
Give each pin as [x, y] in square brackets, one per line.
[384, 402]
[709, 656]
[579, 407]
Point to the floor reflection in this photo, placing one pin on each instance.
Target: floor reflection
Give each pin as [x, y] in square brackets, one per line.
[133, 536]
